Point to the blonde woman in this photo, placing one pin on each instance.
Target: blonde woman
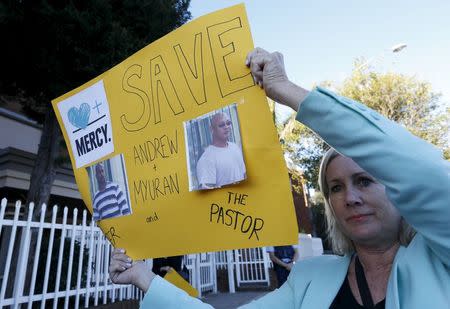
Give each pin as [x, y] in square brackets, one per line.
[379, 184]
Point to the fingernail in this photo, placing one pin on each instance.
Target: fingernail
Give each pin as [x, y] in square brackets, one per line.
[260, 84]
[129, 259]
[122, 250]
[247, 62]
[128, 264]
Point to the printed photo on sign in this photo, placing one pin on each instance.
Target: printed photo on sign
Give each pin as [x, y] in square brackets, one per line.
[214, 149]
[87, 122]
[109, 189]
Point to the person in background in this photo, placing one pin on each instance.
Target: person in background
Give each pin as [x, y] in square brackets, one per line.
[283, 259]
[162, 265]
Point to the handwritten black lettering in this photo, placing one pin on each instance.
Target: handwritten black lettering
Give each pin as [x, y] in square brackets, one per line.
[112, 235]
[145, 189]
[238, 198]
[163, 88]
[223, 48]
[246, 224]
[152, 218]
[154, 93]
[129, 85]
[193, 74]
[160, 147]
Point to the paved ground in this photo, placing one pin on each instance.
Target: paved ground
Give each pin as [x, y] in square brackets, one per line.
[231, 301]
[218, 301]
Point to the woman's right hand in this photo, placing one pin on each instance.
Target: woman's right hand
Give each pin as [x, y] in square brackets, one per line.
[269, 73]
[267, 69]
[123, 270]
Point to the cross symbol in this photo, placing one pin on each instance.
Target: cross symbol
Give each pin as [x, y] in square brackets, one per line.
[96, 106]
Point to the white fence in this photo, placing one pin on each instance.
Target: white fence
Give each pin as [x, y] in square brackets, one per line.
[252, 266]
[63, 261]
[60, 262]
[202, 272]
[46, 261]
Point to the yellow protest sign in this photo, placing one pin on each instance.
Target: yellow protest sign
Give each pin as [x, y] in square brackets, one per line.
[174, 149]
[173, 277]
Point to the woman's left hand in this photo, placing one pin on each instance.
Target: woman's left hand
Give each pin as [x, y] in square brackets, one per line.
[122, 270]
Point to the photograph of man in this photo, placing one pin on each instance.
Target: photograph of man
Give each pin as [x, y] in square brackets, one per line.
[222, 162]
[109, 199]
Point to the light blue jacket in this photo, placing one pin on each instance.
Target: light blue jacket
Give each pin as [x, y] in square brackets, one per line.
[417, 182]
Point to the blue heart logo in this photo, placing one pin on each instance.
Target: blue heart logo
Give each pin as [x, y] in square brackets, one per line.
[79, 117]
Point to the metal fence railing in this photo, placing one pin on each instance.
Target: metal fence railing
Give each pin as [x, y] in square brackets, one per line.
[62, 261]
[58, 261]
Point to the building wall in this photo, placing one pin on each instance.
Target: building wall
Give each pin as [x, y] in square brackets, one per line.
[19, 134]
[19, 143]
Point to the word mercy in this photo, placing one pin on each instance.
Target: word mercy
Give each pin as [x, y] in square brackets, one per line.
[92, 140]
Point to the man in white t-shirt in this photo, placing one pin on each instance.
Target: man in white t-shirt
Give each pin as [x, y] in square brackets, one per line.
[222, 162]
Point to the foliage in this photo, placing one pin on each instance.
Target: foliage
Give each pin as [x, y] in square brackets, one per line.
[295, 174]
[50, 47]
[55, 46]
[304, 148]
[296, 181]
[404, 99]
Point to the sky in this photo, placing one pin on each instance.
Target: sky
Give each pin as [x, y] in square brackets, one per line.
[321, 39]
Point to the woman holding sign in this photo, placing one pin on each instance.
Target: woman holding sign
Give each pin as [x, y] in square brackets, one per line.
[387, 204]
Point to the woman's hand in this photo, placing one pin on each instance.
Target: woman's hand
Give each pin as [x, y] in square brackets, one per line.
[123, 270]
[267, 69]
[165, 268]
[269, 73]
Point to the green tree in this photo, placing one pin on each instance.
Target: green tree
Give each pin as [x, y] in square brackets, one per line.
[296, 175]
[403, 99]
[304, 148]
[50, 47]
[406, 100]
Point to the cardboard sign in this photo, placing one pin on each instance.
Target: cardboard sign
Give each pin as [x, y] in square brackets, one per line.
[174, 149]
[173, 277]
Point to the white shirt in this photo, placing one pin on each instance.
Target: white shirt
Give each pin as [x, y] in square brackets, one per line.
[219, 166]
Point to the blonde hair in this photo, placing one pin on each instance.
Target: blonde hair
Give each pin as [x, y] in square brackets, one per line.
[340, 243]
